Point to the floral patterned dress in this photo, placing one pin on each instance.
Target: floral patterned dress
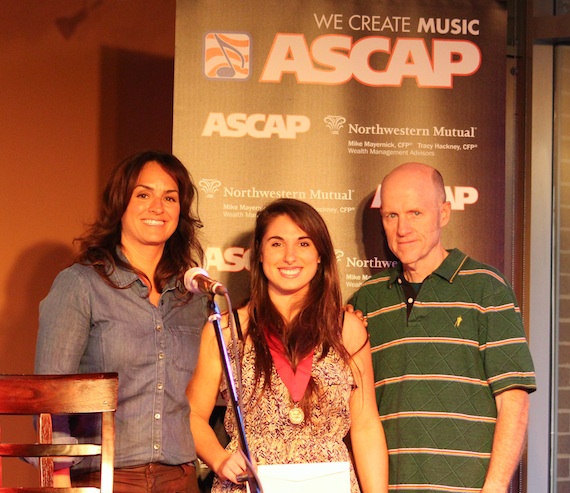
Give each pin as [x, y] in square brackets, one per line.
[272, 438]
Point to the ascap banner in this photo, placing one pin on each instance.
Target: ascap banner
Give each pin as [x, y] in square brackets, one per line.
[318, 99]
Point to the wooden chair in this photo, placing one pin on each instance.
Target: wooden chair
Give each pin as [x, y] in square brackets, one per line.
[44, 395]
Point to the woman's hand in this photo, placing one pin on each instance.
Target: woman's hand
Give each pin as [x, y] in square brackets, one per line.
[358, 313]
[61, 478]
[233, 467]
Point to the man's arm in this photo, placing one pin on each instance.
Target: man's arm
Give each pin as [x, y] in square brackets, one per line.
[509, 439]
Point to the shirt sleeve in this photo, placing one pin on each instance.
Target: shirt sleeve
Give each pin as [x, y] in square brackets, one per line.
[64, 323]
[357, 301]
[63, 333]
[504, 348]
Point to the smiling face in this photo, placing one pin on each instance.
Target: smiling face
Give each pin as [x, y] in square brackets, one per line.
[289, 258]
[153, 210]
[414, 211]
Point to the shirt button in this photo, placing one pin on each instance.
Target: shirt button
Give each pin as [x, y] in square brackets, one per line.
[160, 355]
[159, 386]
[399, 281]
[156, 446]
[159, 328]
[157, 416]
[410, 300]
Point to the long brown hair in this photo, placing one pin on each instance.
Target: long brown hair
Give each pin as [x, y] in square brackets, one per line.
[318, 323]
[98, 245]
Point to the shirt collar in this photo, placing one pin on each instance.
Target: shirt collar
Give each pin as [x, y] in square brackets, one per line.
[122, 277]
[448, 269]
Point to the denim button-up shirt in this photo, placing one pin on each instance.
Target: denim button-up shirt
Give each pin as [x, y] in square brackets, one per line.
[86, 326]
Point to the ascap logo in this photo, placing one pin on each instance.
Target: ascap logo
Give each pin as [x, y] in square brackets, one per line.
[209, 186]
[334, 123]
[458, 196]
[227, 55]
[258, 125]
[233, 259]
[375, 61]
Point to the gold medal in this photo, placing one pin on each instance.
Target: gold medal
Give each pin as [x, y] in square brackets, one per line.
[296, 415]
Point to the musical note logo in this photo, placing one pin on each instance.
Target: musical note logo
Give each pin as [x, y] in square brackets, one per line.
[227, 55]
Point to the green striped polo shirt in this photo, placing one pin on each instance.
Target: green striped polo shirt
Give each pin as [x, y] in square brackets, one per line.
[438, 369]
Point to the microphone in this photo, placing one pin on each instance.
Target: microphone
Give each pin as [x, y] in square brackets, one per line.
[196, 280]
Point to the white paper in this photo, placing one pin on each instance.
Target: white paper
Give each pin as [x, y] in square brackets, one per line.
[314, 477]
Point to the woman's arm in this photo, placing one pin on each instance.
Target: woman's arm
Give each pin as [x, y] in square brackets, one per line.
[202, 395]
[366, 432]
[64, 325]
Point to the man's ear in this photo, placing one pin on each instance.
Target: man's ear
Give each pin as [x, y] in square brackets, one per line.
[445, 213]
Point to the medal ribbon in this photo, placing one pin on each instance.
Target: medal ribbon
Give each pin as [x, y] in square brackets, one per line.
[295, 381]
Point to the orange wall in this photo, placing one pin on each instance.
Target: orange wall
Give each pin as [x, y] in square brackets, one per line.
[69, 110]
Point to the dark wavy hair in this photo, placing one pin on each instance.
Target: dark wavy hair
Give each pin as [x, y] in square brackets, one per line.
[98, 245]
[318, 323]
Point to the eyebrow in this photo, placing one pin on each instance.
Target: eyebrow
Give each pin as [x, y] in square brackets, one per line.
[148, 187]
[277, 237]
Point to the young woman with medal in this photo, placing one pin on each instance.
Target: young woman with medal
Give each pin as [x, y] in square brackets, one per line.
[306, 370]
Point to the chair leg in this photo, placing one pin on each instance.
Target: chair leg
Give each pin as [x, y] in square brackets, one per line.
[45, 436]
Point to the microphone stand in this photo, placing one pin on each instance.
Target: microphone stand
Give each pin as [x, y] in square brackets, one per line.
[214, 317]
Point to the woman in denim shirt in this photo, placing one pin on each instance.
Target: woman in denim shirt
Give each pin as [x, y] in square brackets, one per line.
[122, 307]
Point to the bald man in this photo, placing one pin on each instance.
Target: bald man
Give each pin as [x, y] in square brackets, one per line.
[452, 366]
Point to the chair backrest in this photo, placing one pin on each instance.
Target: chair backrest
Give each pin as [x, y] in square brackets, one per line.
[44, 395]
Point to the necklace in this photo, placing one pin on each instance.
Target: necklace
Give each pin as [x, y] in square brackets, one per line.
[296, 415]
[295, 381]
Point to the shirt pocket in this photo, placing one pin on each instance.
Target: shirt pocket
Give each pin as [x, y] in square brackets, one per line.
[185, 346]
